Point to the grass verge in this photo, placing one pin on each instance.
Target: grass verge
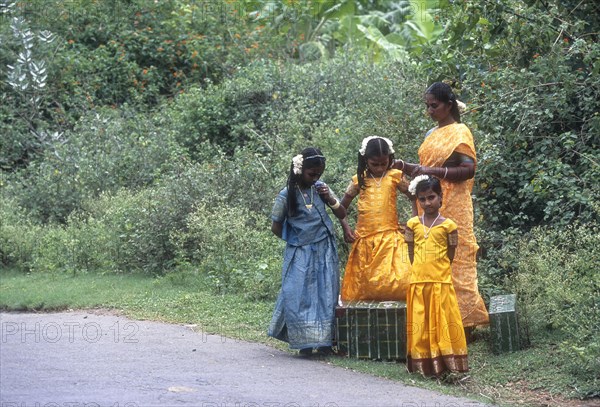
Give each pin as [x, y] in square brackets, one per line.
[531, 377]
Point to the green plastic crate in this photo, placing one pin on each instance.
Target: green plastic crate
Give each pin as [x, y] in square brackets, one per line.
[372, 329]
[504, 326]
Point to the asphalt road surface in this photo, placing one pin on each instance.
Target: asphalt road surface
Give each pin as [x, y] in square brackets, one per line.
[92, 359]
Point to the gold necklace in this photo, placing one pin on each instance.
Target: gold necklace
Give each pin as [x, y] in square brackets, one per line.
[377, 183]
[425, 230]
[310, 204]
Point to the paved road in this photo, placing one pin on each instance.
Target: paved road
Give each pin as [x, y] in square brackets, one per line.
[88, 359]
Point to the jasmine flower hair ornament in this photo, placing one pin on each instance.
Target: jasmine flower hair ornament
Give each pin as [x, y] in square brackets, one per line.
[412, 187]
[297, 162]
[363, 147]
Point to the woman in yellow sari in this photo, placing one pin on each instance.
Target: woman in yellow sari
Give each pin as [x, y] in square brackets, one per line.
[448, 153]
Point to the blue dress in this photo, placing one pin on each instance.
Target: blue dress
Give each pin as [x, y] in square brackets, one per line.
[304, 313]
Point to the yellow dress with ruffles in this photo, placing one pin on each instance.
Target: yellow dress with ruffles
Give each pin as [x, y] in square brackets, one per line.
[435, 337]
[378, 265]
[458, 206]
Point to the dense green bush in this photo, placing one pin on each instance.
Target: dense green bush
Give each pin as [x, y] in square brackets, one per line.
[89, 54]
[142, 222]
[108, 150]
[28, 118]
[539, 133]
[184, 222]
[282, 106]
[558, 288]
[141, 49]
[234, 247]
[18, 235]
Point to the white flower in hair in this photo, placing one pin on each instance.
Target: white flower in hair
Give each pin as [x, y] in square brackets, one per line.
[390, 144]
[412, 187]
[363, 147]
[297, 161]
[461, 106]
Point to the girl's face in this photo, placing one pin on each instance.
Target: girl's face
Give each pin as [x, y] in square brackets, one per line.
[430, 201]
[311, 175]
[437, 110]
[378, 165]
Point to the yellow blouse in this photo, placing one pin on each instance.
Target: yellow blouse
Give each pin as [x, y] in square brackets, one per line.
[377, 203]
[431, 263]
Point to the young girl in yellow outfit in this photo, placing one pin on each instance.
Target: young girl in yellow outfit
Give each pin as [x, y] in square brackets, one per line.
[435, 335]
[377, 267]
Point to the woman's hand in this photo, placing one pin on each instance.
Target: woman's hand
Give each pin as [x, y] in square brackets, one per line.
[465, 171]
[407, 168]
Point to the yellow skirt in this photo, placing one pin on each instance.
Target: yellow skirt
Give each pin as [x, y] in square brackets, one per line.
[378, 268]
[435, 334]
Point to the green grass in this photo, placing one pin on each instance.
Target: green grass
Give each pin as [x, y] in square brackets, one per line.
[531, 377]
[173, 298]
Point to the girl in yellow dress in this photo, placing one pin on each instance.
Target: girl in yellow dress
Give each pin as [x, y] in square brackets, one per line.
[377, 267]
[435, 335]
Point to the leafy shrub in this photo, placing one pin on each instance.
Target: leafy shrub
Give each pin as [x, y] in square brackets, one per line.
[142, 222]
[142, 50]
[25, 59]
[105, 152]
[78, 246]
[234, 247]
[558, 287]
[498, 259]
[181, 223]
[539, 144]
[19, 235]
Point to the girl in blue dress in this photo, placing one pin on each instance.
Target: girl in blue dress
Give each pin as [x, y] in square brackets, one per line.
[304, 314]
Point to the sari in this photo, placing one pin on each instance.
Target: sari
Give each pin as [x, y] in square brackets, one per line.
[458, 206]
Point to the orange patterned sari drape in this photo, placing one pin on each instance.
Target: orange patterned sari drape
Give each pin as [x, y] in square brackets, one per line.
[458, 206]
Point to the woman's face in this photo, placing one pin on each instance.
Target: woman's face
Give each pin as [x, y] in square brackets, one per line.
[437, 110]
[378, 165]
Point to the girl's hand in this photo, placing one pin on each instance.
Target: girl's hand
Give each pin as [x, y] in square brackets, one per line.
[323, 190]
[349, 236]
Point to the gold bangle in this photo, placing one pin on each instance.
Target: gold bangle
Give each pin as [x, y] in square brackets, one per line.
[335, 205]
